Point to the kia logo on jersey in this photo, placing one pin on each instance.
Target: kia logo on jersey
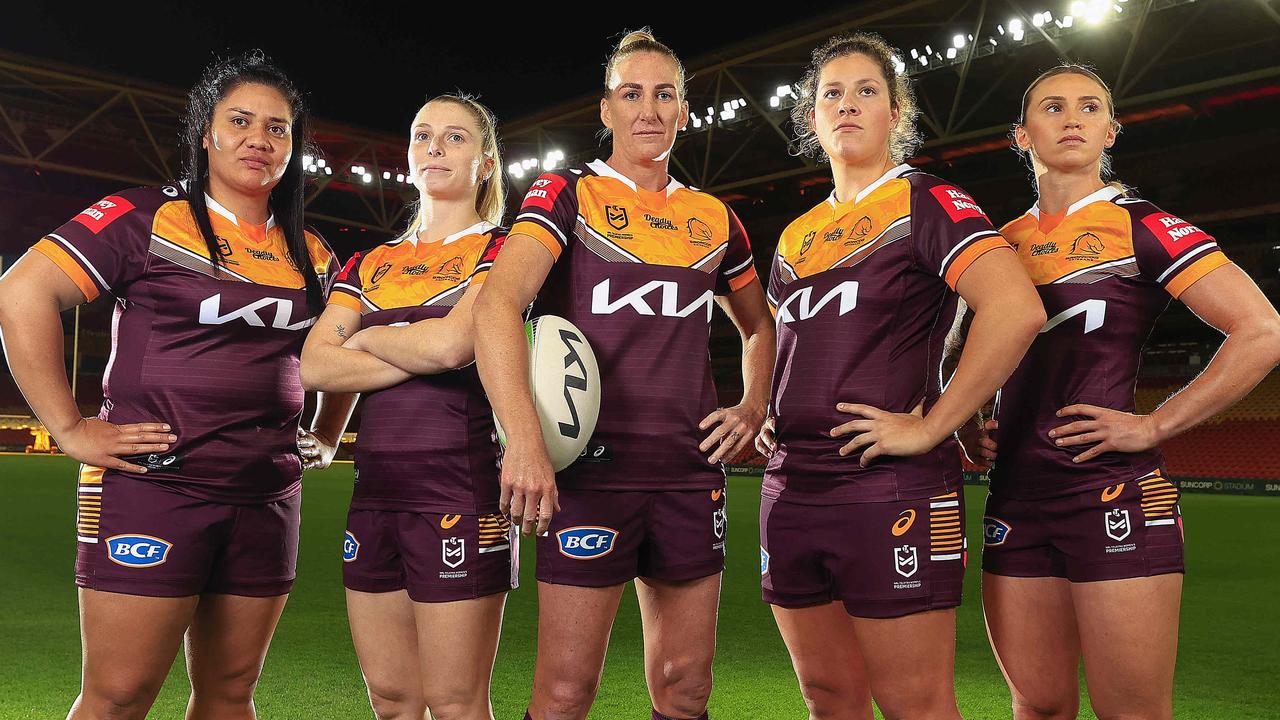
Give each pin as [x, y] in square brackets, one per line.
[211, 313]
[638, 300]
[801, 301]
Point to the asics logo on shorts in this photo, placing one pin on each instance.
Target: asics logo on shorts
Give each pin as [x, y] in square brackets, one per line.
[449, 521]
[905, 520]
[350, 547]
[586, 542]
[138, 551]
[1112, 492]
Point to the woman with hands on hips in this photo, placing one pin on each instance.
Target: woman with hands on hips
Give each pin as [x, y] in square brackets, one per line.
[1083, 557]
[190, 488]
[861, 520]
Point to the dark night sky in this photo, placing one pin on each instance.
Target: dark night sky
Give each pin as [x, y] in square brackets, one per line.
[370, 65]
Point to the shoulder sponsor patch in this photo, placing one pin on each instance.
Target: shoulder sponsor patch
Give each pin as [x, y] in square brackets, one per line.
[138, 551]
[544, 191]
[958, 203]
[1174, 233]
[102, 213]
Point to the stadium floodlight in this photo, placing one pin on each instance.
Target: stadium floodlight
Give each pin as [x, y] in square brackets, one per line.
[1000, 28]
[530, 163]
[328, 171]
[914, 53]
[368, 178]
[1066, 22]
[386, 174]
[319, 162]
[697, 122]
[992, 41]
[924, 60]
[728, 114]
[782, 90]
[1037, 19]
[306, 160]
[1097, 11]
[951, 53]
[928, 50]
[957, 42]
[553, 159]
[774, 102]
[399, 177]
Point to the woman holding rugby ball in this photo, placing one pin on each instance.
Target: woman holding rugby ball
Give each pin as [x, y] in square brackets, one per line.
[635, 259]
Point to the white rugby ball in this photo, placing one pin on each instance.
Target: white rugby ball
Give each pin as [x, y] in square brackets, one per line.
[565, 382]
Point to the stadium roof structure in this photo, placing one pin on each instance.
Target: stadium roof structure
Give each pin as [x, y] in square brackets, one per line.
[970, 61]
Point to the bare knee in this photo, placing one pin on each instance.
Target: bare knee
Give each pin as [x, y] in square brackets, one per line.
[120, 700]
[828, 698]
[1064, 708]
[1153, 710]
[567, 699]
[226, 685]
[392, 703]
[460, 704]
[918, 702]
[683, 687]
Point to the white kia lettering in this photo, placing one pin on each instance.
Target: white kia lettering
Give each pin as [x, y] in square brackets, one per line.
[602, 305]
[211, 314]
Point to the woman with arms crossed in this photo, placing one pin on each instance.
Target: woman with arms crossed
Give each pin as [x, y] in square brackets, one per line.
[861, 522]
[1083, 549]
[190, 486]
[427, 559]
[634, 259]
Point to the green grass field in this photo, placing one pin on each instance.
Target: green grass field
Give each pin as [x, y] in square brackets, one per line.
[1229, 650]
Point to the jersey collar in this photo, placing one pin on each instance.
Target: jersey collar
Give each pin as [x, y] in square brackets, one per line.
[892, 173]
[483, 226]
[1106, 194]
[601, 167]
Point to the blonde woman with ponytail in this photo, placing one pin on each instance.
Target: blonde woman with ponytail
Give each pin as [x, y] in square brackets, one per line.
[592, 243]
[427, 559]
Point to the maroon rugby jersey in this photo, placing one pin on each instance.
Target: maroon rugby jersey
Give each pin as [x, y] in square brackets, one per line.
[637, 272]
[425, 445]
[1105, 272]
[863, 292]
[215, 356]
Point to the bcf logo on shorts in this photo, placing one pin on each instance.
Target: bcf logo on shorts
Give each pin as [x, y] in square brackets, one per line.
[139, 551]
[994, 531]
[350, 547]
[586, 542]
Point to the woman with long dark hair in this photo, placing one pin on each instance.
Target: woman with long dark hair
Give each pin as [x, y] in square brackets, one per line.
[427, 559]
[189, 491]
[1083, 556]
